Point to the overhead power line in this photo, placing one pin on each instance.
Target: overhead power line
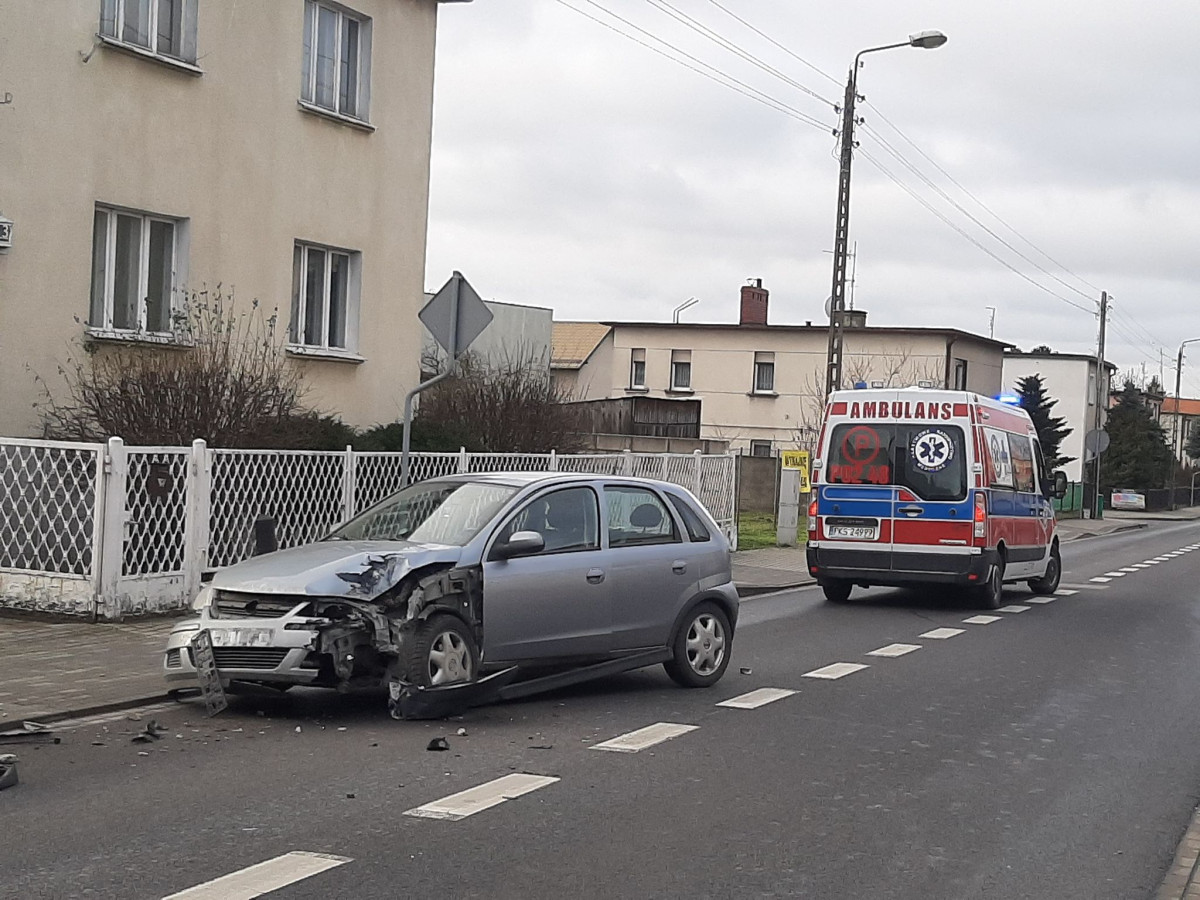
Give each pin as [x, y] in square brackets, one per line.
[770, 40]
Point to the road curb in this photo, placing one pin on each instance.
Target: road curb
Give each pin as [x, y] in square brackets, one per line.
[1182, 879]
[96, 710]
[1084, 537]
[753, 590]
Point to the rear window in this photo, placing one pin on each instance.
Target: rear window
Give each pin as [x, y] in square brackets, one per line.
[929, 460]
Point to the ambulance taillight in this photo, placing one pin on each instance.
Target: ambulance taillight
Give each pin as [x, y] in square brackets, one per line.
[812, 519]
[980, 515]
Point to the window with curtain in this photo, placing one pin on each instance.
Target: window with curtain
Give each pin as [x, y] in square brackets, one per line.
[325, 287]
[163, 27]
[133, 271]
[337, 54]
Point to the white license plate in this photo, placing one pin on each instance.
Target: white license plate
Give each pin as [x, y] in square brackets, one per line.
[852, 532]
[241, 637]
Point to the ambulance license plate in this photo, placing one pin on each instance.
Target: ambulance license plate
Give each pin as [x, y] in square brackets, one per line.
[852, 530]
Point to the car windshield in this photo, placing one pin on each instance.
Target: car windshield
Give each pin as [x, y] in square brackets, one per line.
[435, 512]
[929, 460]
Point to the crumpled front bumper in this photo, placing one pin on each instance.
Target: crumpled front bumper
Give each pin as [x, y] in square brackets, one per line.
[279, 655]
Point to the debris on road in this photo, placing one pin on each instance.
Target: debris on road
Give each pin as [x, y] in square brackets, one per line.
[746, 670]
[29, 733]
[152, 733]
[462, 732]
[8, 770]
[438, 744]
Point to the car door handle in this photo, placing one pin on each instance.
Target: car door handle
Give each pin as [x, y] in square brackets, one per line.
[911, 510]
[595, 576]
[679, 566]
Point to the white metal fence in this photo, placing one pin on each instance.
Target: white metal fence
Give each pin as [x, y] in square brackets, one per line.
[105, 530]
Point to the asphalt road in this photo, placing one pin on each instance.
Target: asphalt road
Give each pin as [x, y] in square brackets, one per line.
[1053, 753]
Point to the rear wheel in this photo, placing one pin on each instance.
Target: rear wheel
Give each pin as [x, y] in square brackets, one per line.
[990, 594]
[837, 591]
[1048, 583]
[442, 651]
[701, 647]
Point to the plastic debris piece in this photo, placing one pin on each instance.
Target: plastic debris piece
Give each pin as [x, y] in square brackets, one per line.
[462, 732]
[438, 744]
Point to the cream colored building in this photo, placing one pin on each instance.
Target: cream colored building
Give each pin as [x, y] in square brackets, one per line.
[278, 147]
[761, 385]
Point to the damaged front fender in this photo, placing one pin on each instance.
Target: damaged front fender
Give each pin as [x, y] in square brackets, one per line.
[411, 701]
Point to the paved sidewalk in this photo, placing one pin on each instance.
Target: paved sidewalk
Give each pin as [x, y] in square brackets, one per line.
[53, 668]
[770, 569]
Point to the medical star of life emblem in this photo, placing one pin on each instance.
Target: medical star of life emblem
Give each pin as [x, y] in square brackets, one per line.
[931, 451]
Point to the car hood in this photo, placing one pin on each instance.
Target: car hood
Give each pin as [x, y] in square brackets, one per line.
[359, 570]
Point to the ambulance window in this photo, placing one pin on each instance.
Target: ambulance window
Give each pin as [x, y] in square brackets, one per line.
[999, 458]
[1040, 460]
[930, 460]
[1022, 462]
[860, 454]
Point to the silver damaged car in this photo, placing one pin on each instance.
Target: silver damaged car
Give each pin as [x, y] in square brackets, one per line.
[475, 588]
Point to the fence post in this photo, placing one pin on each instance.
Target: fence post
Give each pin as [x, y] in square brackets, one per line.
[349, 480]
[626, 462]
[198, 512]
[464, 461]
[112, 546]
[662, 467]
[553, 461]
[733, 492]
[697, 480]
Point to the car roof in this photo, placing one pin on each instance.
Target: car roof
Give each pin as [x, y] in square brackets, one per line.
[525, 479]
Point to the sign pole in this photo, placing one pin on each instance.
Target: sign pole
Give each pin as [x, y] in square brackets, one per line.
[451, 362]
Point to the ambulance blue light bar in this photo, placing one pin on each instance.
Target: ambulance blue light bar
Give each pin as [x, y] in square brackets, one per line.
[1010, 399]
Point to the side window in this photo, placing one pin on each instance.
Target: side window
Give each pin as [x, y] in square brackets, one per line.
[1040, 463]
[568, 520]
[695, 526]
[1022, 462]
[637, 516]
[1000, 470]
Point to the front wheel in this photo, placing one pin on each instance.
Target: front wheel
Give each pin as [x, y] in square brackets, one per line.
[1048, 583]
[990, 594]
[701, 647]
[441, 651]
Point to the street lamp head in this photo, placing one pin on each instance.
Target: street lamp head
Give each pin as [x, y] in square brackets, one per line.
[926, 40]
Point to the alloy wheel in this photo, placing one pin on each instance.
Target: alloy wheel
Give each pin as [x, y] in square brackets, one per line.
[705, 644]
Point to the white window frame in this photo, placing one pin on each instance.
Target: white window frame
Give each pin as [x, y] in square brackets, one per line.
[308, 92]
[296, 325]
[110, 258]
[679, 357]
[637, 356]
[960, 365]
[113, 11]
[764, 361]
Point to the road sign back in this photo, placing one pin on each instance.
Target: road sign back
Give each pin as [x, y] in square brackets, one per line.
[473, 315]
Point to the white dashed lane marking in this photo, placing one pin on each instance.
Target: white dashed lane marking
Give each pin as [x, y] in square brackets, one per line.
[485, 796]
[1087, 587]
[262, 878]
[941, 634]
[1015, 608]
[645, 737]
[1064, 593]
[1101, 579]
[835, 671]
[1044, 599]
[1154, 562]
[1130, 569]
[755, 699]
[1115, 574]
[1140, 566]
[982, 620]
[894, 650]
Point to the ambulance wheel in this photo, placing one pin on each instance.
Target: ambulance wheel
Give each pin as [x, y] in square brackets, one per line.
[837, 591]
[1048, 583]
[990, 594]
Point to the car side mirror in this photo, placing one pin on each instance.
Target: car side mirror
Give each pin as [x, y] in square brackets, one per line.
[523, 543]
[1059, 489]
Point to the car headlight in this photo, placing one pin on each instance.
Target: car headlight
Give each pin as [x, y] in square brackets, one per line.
[204, 599]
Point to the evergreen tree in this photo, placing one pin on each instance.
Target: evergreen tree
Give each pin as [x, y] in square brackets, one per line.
[1050, 429]
[1192, 450]
[1139, 457]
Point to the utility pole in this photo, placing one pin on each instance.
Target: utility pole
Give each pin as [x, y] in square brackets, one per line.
[837, 296]
[1101, 403]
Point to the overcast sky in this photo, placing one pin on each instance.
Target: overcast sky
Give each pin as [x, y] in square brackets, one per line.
[575, 169]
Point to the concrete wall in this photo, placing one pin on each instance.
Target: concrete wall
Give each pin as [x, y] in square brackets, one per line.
[758, 484]
[230, 151]
[1069, 381]
[723, 372]
[613, 443]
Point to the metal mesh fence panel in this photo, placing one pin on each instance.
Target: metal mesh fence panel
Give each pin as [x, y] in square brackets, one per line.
[717, 487]
[377, 475]
[47, 506]
[509, 462]
[681, 470]
[303, 491]
[156, 502]
[592, 464]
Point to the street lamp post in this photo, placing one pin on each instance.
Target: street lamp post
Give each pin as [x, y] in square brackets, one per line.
[837, 303]
[1178, 412]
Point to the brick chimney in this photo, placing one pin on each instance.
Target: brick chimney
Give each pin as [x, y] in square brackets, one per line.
[754, 303]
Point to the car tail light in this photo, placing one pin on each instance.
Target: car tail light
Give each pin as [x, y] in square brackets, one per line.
[980, 514]
[812, 519]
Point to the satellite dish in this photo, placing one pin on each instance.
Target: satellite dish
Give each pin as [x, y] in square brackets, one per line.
[829, 306]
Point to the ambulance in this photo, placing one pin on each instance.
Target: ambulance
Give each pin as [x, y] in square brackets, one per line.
[915, 487]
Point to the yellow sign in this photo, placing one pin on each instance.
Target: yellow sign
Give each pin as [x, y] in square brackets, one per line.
[798, 459]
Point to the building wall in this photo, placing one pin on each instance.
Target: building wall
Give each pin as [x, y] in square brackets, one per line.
[229, 150]
[723, 373]
[516, 334]
[1070, 382]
